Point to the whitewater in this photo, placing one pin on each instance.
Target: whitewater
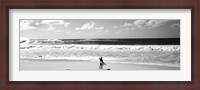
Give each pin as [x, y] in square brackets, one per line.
[164, 55]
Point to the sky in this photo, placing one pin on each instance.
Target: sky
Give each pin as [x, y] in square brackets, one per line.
[99, 28]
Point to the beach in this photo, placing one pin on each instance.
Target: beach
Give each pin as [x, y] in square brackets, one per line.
[85, 54]
[80, 65]
[122, 55]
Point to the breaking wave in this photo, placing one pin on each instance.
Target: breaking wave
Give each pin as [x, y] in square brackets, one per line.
[168, 55]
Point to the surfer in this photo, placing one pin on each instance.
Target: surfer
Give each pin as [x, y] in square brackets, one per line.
[101, 63]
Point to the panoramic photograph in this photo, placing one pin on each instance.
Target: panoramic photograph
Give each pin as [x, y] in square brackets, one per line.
[99, 44]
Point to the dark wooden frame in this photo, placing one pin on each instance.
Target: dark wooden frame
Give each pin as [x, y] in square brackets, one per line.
[99, 4]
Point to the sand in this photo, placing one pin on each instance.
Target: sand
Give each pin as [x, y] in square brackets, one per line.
[65, 65]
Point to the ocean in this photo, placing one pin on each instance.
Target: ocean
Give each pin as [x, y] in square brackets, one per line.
[157, 41]
[165, 52]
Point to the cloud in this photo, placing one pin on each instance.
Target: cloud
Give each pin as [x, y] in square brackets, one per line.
[119, 32]
[140, 22]
[115, 26]
[55, 22]
[68, 32]
[99, 28]
[132, 28]
[62, 31]
[143, 24]
[87, 26]
[156, 23]
[153, 23]
[90, 26]
[48, 25]
[26, 25]
[128, 24]
[175, 25]
[102, 30]
[54, 25]
[106, 30]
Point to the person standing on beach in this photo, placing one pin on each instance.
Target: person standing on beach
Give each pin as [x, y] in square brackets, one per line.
[101, 63]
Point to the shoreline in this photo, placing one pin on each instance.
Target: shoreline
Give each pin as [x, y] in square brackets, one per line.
[69, 60]
[73, 65]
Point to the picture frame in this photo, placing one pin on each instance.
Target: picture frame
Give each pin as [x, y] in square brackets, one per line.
[100, 4]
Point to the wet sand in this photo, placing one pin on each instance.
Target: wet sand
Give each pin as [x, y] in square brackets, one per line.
[63, 65]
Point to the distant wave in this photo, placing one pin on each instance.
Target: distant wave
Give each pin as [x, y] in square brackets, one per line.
[108, 47]
[24, 40]
[168, 41]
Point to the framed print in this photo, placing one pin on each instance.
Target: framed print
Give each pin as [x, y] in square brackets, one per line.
[144, 45]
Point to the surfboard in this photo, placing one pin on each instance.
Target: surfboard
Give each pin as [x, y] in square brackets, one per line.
[105, 69]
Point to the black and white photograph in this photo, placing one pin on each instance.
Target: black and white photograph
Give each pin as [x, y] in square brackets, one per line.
[99, 44]
[148, 45]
